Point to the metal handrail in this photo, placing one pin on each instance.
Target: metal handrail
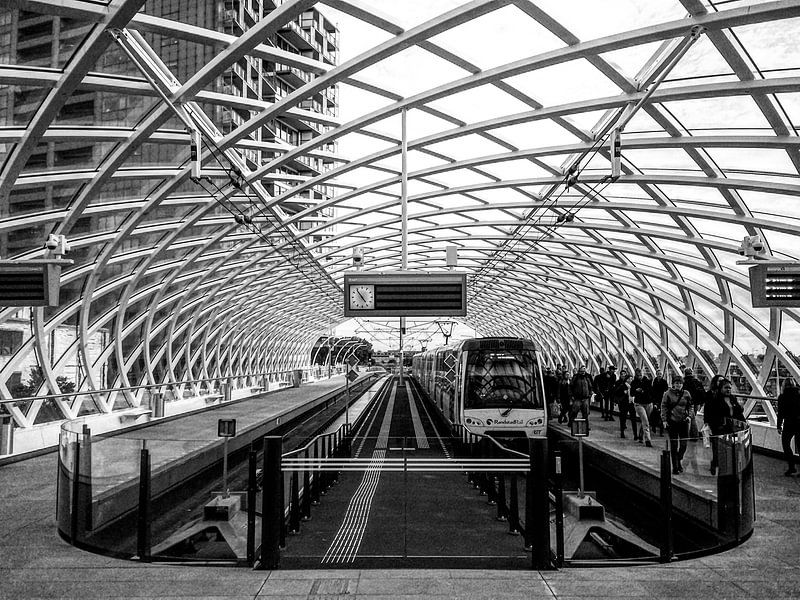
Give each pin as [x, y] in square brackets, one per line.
[314, 439]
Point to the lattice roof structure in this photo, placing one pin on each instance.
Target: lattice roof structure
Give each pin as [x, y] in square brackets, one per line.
[508, 106]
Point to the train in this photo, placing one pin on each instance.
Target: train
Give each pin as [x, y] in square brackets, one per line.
[490, 386]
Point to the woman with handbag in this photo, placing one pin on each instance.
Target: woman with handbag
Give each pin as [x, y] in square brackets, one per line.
[720, 412]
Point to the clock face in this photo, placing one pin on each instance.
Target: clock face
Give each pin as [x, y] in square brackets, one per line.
[362, 297]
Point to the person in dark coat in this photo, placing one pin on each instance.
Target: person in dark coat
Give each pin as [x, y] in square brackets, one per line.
[550, 388]
[640, 392]
[581, 389]
[695, 388]
[564, 396]
[676, 412]
[719, 414]
[622, 398]
[789, 421]
[657, 389]
[604, 386]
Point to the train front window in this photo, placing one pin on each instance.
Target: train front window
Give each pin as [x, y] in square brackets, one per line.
[501, 379]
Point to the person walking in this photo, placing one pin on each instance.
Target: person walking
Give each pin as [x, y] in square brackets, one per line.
[640, 391]
[564, 396]
[598, 392]
[604, 385]
[658, 386]
[581, 390]
[550, 383]
[622, 398]
[694, 387]
[719, 413]
[789, 421]
[676, 412]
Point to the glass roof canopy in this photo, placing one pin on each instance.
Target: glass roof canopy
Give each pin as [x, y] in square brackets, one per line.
[239, 271]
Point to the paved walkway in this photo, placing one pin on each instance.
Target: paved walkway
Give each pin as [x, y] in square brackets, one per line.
[36, 563]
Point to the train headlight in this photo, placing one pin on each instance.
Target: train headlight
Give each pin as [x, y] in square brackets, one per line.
[535, 422]
[473, 421]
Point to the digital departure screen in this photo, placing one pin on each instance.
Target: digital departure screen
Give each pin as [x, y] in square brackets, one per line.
[775, 285]
[405, 295]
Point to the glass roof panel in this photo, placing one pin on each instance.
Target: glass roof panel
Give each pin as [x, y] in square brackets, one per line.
[508, 35]
[690, 198]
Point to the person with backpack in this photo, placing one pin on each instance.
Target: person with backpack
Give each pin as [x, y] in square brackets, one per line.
[676, 412]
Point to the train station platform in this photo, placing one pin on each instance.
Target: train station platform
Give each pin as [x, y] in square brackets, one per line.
[36, 563]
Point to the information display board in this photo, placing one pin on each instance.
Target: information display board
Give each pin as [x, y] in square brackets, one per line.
[775, 285]
[405, 295]
[30, 282]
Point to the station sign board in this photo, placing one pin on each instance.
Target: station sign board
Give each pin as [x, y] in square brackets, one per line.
[30, 282]
[226, 428]
[775, 285]
[405, 294]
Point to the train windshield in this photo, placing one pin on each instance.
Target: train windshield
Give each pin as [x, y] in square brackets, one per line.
[501, 379]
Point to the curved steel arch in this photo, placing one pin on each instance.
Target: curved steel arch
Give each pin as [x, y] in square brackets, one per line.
[176, 286]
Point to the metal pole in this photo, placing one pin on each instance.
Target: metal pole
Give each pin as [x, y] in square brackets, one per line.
[666, 506]
[405, 501]
[225, 467]
[402, 359]
[347, 403]
[558, 492]
[252, 489]
[537, 517]
[272, 504]
[143, 516]
[404, 191]
[580, 467]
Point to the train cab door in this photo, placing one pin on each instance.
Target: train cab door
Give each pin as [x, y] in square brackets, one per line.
[539, 383]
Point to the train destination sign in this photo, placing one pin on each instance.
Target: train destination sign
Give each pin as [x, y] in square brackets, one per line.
[775, 285]
[405, 295]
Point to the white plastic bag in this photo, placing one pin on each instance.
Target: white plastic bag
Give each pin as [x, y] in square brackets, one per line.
[706, 433]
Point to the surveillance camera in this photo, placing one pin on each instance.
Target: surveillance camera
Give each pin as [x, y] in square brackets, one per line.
[758, 245]
[52, 242]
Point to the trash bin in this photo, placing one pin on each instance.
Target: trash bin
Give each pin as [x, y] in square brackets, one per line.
[6, 434]
[297, 377]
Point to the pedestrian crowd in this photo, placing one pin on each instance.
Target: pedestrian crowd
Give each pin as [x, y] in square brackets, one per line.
[653, 405]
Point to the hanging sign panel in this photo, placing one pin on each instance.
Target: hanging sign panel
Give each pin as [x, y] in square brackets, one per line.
[775, 285]
[30, 282]
[405, 295]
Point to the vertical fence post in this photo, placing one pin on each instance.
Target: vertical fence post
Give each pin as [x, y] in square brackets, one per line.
[558, 492]
[537, 504]
[502, 509]
[513, 507]
[307, 488]
[143, 516]
[272, 504]
[294, 511]
[315, 483]
[252, 489]
[666, 507]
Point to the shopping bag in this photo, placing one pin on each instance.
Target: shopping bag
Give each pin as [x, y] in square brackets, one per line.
[693, 433]
[706, 433]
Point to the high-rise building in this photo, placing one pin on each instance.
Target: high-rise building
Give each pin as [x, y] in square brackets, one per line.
[45, 41]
